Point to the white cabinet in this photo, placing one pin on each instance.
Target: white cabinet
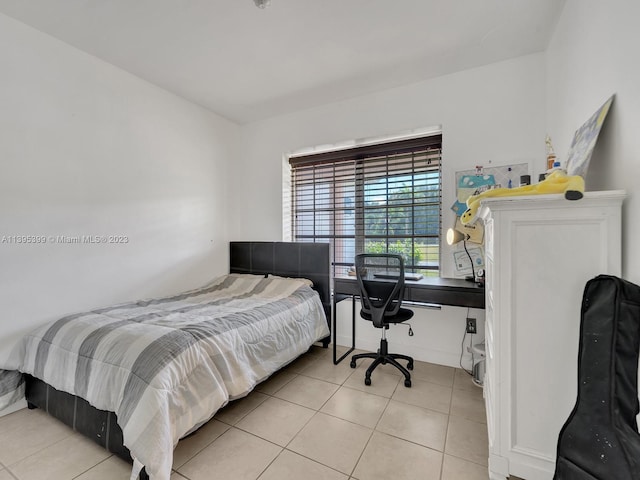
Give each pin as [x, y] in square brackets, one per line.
[540, 252]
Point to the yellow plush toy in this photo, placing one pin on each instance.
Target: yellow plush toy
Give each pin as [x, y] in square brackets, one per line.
[556, 182]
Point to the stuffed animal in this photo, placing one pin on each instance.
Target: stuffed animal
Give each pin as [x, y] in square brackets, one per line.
[556, 182]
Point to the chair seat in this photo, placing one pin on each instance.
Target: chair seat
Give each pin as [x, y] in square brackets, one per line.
[403, 315]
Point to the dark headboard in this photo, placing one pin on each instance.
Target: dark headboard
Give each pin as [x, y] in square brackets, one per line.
[286, 259]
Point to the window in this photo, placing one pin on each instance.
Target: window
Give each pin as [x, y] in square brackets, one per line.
[373, 199]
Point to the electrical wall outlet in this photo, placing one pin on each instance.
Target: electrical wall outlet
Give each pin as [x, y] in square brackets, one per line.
[471, 325]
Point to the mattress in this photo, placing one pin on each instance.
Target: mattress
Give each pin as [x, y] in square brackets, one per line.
[166, 365]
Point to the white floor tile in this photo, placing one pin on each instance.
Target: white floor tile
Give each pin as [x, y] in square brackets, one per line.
[291, 466]
[306, 391]
[312, 420]
[238, 409]
[454, 468]
[384, 384]
[425, 394]
[468, 440]
[355, 406]
[388, 457]
[26, 432]
[275, 382]
[433, 373]
[276, 420]
[469, 404]
[415, 424]
[235, 455]
[113, 468]
[190, 446]
[65, 459]
[332, 442]
[328, 372]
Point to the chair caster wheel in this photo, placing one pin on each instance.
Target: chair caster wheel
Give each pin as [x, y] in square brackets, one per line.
[367, 381]
[407, 383]
[410, 366]
[353, 364]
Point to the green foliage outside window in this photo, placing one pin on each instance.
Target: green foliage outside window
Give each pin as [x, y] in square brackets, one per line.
[401, 247]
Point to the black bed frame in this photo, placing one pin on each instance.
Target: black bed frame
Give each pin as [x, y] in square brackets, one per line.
[286, 259]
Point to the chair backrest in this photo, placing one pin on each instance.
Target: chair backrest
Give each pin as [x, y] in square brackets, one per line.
[380, 299]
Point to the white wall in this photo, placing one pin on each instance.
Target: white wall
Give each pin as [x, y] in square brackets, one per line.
[592, 55]
[87, 149]
[493, 115]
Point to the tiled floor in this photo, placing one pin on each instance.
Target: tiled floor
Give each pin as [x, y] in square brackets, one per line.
[312, 420]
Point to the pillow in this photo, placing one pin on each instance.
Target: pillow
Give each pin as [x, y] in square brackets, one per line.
[306, 281]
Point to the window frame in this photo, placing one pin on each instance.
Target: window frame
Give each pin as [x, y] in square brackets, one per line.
[359, 157]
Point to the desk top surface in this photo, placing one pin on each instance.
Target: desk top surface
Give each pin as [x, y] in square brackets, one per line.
[425, 282]
[434, 290]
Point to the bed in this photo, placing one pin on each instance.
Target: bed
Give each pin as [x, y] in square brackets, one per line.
[144, 374]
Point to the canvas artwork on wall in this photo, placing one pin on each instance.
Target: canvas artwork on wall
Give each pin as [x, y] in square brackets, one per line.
[584, 141]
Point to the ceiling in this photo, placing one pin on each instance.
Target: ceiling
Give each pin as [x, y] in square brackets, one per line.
[248, 64]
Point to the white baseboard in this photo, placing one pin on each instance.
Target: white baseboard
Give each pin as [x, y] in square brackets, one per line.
[439, 357]
[438, 334]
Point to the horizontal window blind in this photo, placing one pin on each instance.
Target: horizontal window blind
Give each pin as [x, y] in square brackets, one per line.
[375, 199]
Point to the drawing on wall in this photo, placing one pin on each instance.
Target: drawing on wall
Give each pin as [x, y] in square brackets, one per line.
[467, 185]
[469, 182]
[462, 263]
[584, 141]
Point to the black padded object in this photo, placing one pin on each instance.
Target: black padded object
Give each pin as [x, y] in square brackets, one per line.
[97, 425]
[287, 259]
[600, 440]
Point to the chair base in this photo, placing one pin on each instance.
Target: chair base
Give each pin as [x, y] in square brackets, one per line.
[382, 356]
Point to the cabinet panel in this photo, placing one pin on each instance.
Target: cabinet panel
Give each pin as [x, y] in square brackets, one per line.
[540, 252]
[546, 304]
[489, 397]
[489, 238]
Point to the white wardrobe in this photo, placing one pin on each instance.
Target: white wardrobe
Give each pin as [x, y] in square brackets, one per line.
[540, 252]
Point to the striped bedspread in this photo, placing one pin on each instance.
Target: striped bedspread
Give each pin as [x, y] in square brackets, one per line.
[165, 366]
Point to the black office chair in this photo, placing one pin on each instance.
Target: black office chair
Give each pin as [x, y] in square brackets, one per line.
[381, 304]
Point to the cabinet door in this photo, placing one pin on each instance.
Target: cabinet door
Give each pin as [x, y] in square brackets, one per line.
[553, 255]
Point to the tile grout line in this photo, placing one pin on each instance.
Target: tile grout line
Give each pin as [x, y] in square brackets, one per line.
[8, 470]
[318, 411]
[93, 466]
[319, 358]
[452, 387]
